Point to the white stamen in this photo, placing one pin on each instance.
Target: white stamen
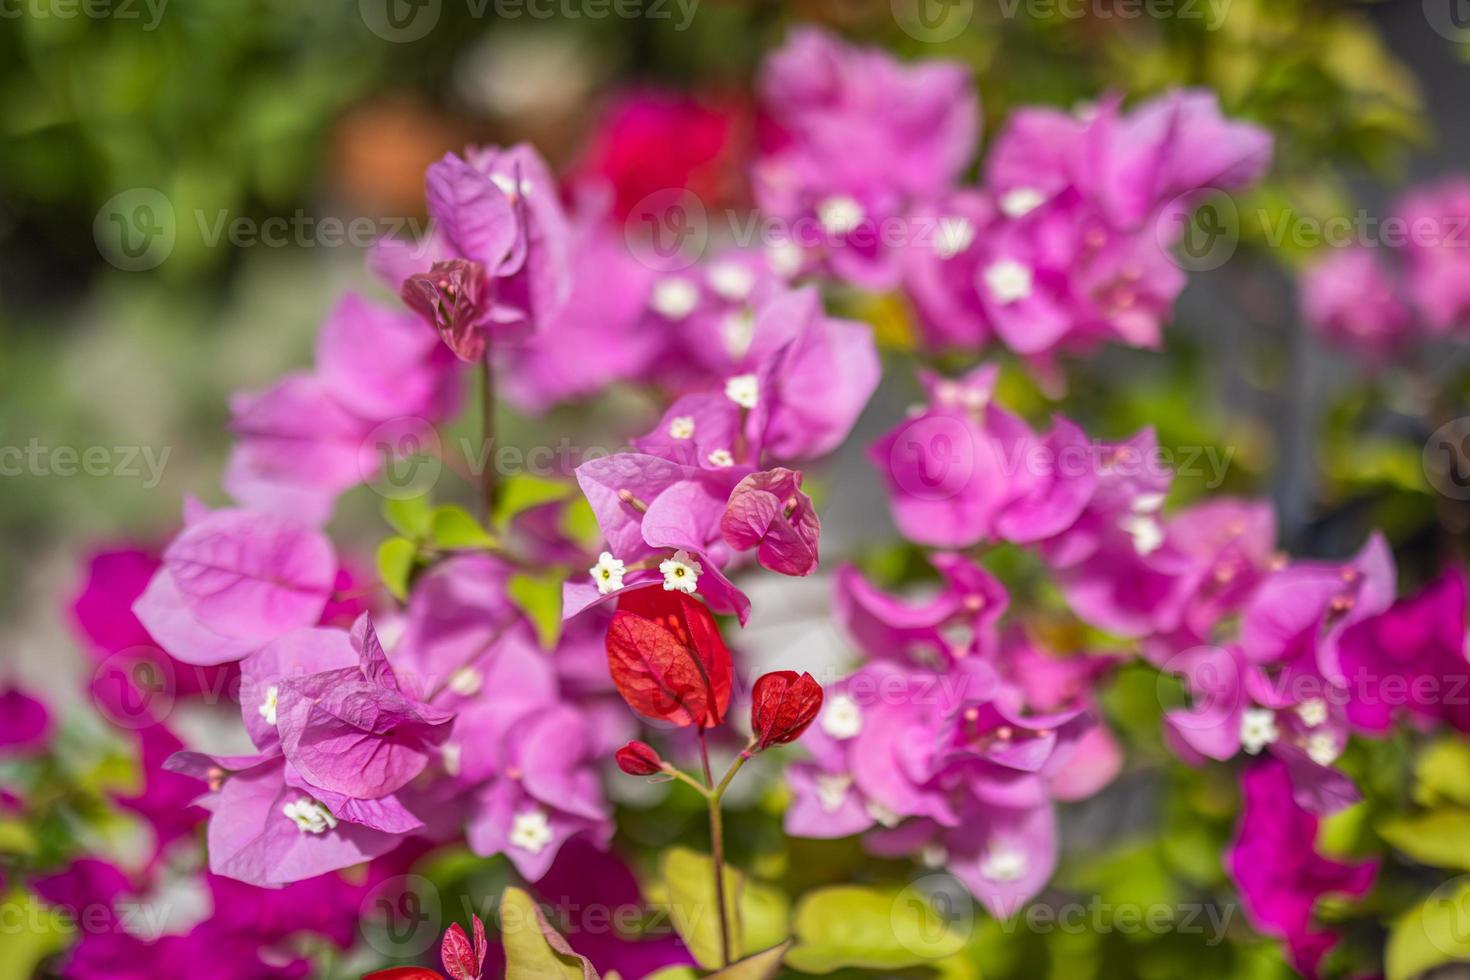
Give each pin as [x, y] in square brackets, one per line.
[1257, 729]
[744, 390]
[681, 427]
[721, 458]
[832, 790]
[1148, 503]
[955, 234]
[784, 258]
[840, 215]
[466, 682]
[681, 572]
[842, 718]
[1008, 281]
[1322, 748]
[1145, 530]
[451, 755]
[674, 297]
[268, 706]
[608, 573]
[1312, 712]
[1021, 201]
[884, 816]
[1003, 863]
[531, 831]
[737, 330]
[310, 816]
[933, 856]
[731, 280]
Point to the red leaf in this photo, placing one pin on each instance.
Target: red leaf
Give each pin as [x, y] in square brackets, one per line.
[667, 658]
[462, 960]
[782, 706]
[404, 973]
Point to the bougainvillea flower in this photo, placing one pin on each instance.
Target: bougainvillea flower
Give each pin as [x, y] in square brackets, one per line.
[639, 759]
[667, 658]
[356, 730]
[783, 704]
[296, 449]
[955, 623]
[1231, 545]
[767, 511]
[25, 724]
[380, 363]
[1437, 217]
[297, 654]
[1353, 301]
[232, 581]
[1278, 871]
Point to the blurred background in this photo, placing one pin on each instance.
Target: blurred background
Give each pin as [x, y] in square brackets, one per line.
[186, 186]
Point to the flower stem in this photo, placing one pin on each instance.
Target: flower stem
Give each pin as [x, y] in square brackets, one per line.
[487, 436]
[717, 845]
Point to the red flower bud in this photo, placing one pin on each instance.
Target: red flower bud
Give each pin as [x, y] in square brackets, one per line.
[782, 705]
[639, 759]
[667, 659]
[448, 297]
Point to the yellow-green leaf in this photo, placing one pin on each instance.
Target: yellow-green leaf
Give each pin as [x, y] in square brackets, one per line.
[1436, 932]
[534, 950]
[1442, 773]
[689, 877]
[757, 966]
[1439, 838]
[411, 516]
[539, 597]
[849, 926]
[453, 528]
[395, 564]
[521, 492]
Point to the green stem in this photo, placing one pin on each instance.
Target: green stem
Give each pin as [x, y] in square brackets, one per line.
[717, 846]
[487, 436]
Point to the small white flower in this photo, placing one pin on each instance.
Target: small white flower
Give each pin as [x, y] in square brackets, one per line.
[842, 718]
[882, 814]
[737, 330]
[1021, 201]
[1008, 281]
[1257, 729]
[840, 215]
[310, 816]
[1003, 863]
[1312, 712]
[721, 458]
[933, 856]
[1322, 748]
[466, 682]
[508, 186]
[731, 281]
[451, 755]
[608, 573]
[784, 258]
[744, 390]
[674, 297]
[681, 572]
[681, 427]
[268, 706]
[832, 790]
[1148, 503]
[531, 831]
[953, 236]
[1145, 530]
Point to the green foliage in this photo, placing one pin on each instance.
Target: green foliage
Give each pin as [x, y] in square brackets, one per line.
[539, 597]
[1433, 933]
[533, 950]
[851, 926]
[758, 913]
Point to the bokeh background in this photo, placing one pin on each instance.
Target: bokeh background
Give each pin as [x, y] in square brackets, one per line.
[135, 137]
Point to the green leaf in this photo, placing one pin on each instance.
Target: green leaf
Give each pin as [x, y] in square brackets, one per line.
[395, 564]
[850, 926]
[1436, 932]
[539, 597]
[453, 528]
[759, 913]
[1442, 774]
[1439, 838]
[534, 950]
[521, 492]
[411, 517]
[757, 966]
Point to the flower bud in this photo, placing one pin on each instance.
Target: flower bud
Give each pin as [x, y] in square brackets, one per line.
[783, 704]
[639, 759]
